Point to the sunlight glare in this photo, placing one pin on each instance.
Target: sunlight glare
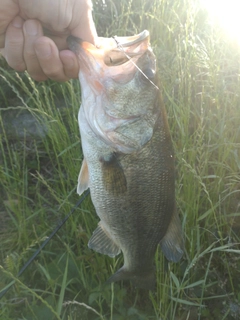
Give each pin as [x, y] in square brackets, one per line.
[226, 14]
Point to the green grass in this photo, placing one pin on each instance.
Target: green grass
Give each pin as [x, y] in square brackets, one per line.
[199, 70]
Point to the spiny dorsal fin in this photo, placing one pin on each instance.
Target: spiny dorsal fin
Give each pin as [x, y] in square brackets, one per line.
[113, 176]
[172, 244]
[83, 178]
[102, 243]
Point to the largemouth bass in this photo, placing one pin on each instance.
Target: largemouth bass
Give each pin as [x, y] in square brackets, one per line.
[128, 156]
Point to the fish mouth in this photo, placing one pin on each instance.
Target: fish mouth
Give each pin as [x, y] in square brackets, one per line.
[112, 58]
[132, 40]
[127, 48]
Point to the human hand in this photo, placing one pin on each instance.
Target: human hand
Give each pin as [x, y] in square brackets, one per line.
[23, 24]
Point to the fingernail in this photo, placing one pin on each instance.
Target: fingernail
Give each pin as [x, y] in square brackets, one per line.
[43, 50]
[31, 27]
[17, 22]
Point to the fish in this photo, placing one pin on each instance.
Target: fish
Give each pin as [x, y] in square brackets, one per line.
[128, 162]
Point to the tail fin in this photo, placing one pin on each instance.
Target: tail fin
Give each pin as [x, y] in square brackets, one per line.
[144, 280]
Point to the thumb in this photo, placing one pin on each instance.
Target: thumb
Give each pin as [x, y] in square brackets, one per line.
[86, 29]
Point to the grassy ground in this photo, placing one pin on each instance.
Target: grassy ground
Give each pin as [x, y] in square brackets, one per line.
[199, 68]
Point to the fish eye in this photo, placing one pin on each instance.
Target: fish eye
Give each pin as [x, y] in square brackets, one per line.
[115, 60]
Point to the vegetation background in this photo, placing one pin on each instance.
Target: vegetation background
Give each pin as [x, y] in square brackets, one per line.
[40, 158]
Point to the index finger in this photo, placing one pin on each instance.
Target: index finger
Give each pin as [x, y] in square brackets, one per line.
[14, 43]
[49, 60]
[9, 10]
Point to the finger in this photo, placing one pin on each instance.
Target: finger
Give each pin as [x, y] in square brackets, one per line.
[59, 40]
[70, 63]
[82, 24]
[32, 30]
[2, 52]
[14, 42]
[2, 40]
[8, 10]
[88, 33]
[49, 60]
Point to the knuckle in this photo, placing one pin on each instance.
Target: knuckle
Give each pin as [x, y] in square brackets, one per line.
[29, 55]
[38, 77]
[55, 74]
[18, 66]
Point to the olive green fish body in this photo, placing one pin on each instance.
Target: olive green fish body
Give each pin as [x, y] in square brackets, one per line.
[129, 165]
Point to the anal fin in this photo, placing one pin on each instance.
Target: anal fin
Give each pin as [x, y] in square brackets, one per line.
[102, 243]
[83, 178]
[172, 244]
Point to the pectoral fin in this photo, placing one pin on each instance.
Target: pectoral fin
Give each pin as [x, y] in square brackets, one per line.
[172, 244]
[102, 243]
[113, 175]
[83, 178]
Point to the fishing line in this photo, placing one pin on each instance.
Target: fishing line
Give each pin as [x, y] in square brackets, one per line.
[4, 291]
[130, 59]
